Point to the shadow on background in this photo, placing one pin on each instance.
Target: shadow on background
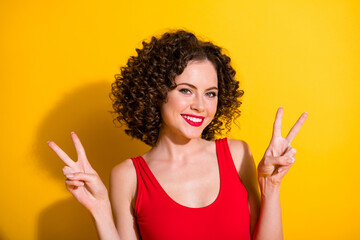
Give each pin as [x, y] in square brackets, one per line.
[85, 111]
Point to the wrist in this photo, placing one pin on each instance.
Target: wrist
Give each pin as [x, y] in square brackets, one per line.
[104, 221]
[268, 188]
[102, 210]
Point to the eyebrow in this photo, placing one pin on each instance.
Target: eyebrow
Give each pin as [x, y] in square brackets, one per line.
[192, 86]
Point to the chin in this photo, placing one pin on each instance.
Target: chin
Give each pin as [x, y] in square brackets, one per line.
[194, 134]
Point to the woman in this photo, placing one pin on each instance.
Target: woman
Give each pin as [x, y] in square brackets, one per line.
[175, 95]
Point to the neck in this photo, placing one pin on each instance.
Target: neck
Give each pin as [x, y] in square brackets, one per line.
[174, 147]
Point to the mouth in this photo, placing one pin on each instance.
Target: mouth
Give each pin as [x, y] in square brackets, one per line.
[193, 120]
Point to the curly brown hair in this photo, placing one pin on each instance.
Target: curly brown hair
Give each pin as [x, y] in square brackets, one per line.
[142, 86]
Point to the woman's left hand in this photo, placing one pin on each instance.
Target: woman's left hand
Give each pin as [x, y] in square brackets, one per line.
[279, 156]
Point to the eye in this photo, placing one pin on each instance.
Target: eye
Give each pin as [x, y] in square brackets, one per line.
[211, 94]
[185, 91]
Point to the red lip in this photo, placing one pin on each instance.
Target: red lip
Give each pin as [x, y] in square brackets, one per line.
[195, 124]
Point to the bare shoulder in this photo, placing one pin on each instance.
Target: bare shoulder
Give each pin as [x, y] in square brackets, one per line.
[123, 178]
[240, 152]
[124, 168]
[123, 188]
[244, 162]
[245, 165]
[237, 145]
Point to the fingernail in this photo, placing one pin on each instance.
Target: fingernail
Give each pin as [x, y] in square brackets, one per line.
[69, 175]
[72, 132]
[291, 160]
[48, 142]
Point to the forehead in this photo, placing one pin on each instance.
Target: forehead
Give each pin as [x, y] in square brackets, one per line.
[199, 73]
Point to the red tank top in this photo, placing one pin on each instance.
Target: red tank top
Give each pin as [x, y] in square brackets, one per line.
[161, 218]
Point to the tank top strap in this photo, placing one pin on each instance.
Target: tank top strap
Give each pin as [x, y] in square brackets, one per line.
[159, 217]
[226, 163]
[145, 181]
[141, 169]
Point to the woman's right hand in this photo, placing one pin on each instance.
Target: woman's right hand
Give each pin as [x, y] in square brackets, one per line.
[82, 180]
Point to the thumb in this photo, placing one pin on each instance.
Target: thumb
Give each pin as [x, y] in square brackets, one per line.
[80, 176]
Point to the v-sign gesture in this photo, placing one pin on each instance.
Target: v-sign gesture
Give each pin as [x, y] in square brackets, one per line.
[279, 156]
[82, 180]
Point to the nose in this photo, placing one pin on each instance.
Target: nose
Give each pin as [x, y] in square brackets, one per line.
[197, 104]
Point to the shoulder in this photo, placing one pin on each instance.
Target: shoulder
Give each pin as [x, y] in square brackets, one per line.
[240, 152]
[238, 146]
[246, 167]
[123, 187]
[123, 180]
[244, 163]
[124, 168]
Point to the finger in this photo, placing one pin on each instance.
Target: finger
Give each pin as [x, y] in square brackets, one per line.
[80, 176]
[281, 172]
[62, 155]
[72, 183]
[277, 123]
[79, 147]
[290, 152]
[276, 161]
[67, 170]
[296, 128]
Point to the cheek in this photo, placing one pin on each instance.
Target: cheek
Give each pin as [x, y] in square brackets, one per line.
[174, 106]
[178, 103]
[213, 107]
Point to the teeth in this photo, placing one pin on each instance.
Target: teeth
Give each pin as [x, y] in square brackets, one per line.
[192, 119]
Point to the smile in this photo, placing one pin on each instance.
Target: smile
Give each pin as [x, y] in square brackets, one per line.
[193, 120]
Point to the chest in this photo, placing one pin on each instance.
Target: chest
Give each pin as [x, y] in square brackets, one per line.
[192, 185]
[207, 201]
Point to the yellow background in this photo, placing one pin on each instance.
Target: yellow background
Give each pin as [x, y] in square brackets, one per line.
[58, 58]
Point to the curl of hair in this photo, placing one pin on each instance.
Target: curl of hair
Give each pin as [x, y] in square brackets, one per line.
[142, 86]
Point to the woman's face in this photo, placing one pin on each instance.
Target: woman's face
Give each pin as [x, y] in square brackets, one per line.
[192, 105]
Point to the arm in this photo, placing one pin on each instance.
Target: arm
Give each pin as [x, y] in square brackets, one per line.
[246, 167]
[105, 223]
[123, 183]
[269, 225]
[265, 215]
[86, 186]
[123, 189]
[277, 160]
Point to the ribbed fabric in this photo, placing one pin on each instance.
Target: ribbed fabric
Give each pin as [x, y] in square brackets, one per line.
[161, 218]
